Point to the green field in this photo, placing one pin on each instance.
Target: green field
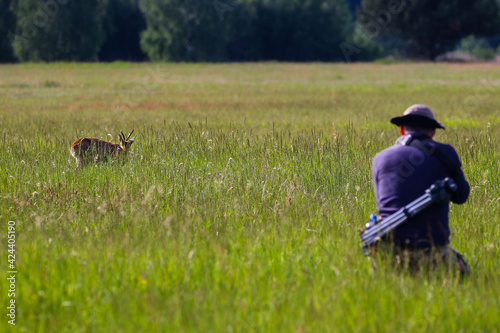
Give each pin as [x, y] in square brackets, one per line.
[238, 206]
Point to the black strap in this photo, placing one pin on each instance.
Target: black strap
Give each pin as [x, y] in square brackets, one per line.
[430, 150]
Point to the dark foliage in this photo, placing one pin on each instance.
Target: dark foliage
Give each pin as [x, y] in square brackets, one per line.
[58, 30]
[7, 25]
[240, 30]
[431, 26]
[123, 24]
[291, 30]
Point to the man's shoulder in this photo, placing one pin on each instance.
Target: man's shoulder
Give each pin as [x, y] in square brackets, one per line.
[449, 151]
[389, 155]
[398, 150]
[391, 150]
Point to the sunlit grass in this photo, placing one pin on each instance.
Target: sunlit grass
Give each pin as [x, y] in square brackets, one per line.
[238, 206]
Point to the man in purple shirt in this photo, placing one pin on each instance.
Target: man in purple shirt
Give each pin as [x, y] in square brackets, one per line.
[402, 173]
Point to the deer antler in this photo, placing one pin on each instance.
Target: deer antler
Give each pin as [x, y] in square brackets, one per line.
[129, 135]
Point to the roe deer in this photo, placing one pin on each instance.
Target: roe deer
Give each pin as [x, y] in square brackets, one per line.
[92, 148]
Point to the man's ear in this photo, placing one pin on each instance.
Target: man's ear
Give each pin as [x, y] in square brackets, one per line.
[402, 130]
[432, 133]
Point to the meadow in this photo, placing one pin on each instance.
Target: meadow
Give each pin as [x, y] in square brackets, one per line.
[238, 207]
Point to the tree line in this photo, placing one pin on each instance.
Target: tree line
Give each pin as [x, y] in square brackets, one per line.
[239, 30]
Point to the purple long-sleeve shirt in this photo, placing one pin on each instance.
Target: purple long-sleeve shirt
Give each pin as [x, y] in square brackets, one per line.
[401, 174]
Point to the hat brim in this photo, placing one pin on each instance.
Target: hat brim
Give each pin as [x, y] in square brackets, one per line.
[415, 120]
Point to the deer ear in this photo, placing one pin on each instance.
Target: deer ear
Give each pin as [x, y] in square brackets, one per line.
[133, 139]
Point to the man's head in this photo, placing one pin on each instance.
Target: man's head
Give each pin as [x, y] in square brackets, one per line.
[417, 118]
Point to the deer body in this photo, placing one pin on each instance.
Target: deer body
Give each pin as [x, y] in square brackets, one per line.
[95, 149]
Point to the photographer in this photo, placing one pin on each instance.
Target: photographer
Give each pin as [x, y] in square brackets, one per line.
[401, 173]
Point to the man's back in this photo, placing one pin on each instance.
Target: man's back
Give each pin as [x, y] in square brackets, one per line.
[401, 174]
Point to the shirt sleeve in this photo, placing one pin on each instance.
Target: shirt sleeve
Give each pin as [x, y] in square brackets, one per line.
[374, 178]
[463, 189]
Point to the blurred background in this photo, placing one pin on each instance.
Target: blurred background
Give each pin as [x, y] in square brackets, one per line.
[249, 30]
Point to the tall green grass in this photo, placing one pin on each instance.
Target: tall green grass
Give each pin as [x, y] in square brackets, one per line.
[238, 206]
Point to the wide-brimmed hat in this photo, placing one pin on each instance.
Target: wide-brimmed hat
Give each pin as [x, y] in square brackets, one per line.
[417, 115]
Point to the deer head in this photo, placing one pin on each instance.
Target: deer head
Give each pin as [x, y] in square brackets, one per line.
[126, 143]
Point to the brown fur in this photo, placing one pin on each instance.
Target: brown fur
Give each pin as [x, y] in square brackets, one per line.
[95, 149]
